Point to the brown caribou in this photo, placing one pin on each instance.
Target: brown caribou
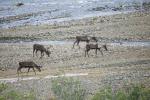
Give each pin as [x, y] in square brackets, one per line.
[95, 47]
[42, 49]
[28, 64]
[86, 39]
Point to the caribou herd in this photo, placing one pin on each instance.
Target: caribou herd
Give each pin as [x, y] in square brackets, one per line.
[91, 44]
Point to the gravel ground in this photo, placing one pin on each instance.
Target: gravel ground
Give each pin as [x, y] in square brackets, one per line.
[119, 66]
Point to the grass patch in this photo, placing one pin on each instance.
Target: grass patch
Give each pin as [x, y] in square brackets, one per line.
[3, 87]
[7, 93]
[15, 95]
[134, 92]
[68, 89]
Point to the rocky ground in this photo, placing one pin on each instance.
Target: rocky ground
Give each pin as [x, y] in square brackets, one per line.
[119, 66]
[132, 26]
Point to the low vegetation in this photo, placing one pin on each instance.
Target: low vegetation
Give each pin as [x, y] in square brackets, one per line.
[7, 93]
[134, 92]
[3, 87]
[71, 89]
[68, 89]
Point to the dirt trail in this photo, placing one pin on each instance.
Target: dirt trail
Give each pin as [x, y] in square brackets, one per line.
[12, 80]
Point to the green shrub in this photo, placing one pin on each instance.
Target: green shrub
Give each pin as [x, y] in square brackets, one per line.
[135, 92]
[139, 93]
[120, 95]
[68, 89]
[3, 87]
[15, 95]
[10, 94]
[105, 94]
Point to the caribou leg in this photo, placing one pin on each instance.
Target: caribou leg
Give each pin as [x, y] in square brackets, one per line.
[96, 51]
[78, 44]
[18, 70]
[28, 70]
[33, 52]
[36, 52]
[105, 47]
[74, 43]
[86, 52]
[34, 70]
[41, 54]
[100, 51]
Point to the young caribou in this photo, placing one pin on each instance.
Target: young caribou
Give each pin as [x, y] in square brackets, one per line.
[42, 49]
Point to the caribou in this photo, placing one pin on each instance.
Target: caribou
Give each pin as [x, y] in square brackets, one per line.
[95, 47]
[28, 64]
[86, 39]
[42, 49]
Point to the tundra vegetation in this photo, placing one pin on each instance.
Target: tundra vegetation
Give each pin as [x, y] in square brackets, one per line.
[68, 89]
[9, 93]
[132, 92]
[72, 89]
